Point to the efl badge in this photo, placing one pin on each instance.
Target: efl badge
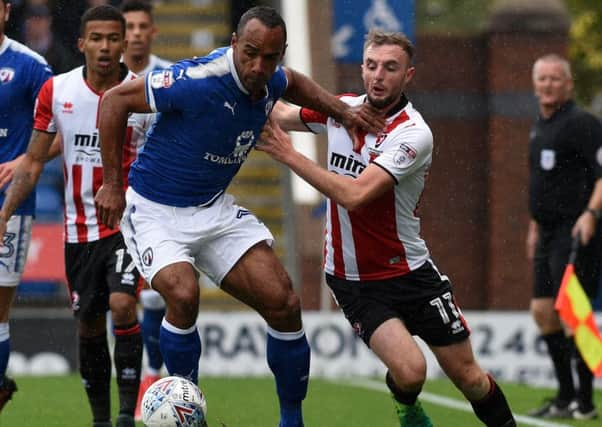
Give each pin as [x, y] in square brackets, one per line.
[547, 159]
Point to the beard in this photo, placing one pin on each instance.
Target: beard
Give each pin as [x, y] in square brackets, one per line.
[382, 102]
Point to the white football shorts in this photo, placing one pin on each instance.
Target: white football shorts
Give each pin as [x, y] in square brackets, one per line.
[13, 252]
[211, 238]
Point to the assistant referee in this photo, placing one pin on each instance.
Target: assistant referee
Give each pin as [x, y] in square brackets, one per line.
[565, 200]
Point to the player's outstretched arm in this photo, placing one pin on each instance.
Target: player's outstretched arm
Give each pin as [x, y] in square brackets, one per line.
[26, 175]
[303, 91]
[116, 104]
[346, 191]
[288, 117]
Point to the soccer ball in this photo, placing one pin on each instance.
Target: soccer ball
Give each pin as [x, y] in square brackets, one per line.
[174, 402]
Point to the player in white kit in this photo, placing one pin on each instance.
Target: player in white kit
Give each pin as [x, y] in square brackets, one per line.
[376, 264]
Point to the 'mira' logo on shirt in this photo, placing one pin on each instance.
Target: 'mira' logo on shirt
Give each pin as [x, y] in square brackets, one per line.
[348, 163]
[6, 75]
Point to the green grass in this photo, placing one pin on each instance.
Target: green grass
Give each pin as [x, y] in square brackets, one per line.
[251, 402]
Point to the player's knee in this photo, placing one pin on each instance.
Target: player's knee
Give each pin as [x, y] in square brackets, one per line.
[410, 375]
[285, 311]
[472, 381]
[123, 308]
[183, 300]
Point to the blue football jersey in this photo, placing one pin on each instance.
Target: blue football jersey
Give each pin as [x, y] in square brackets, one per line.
[206, 127]
[22, 73]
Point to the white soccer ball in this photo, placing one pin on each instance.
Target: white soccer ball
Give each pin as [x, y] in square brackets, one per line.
[174, 402]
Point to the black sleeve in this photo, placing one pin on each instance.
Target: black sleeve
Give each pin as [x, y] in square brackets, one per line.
[588, 132]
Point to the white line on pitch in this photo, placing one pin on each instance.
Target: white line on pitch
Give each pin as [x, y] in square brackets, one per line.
[448, 402]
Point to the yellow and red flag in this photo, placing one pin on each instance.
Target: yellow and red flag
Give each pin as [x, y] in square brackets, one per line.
[575, 310]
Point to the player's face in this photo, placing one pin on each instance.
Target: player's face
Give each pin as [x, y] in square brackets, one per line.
[257, 53]
[386, 71]
[551, 83]
[4, 13]
[139, 33]
[102, 45]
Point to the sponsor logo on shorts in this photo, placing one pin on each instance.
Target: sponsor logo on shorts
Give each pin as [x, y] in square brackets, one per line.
[147, 257]
[457, 327]
[128, 279]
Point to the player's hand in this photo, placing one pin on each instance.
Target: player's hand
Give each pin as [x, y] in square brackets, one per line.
[585, 227]
[7, 170]
[110, 203]
[363, 117]
[274, 141]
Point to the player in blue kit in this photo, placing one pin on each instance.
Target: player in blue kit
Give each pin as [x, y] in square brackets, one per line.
[178, 219]
[22, 73]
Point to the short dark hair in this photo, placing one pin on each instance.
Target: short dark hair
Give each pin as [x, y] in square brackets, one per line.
[379, 38]
[103, 12]
[268, 16]
[137, 6]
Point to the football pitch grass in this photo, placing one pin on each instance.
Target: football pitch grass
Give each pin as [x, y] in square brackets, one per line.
[251, 402]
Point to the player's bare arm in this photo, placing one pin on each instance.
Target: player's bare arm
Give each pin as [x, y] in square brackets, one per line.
[307, 93]
[26, 175]
[288, 117]
[116, 104]
[351, 193]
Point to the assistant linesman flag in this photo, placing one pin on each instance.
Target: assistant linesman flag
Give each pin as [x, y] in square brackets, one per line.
[575, 310]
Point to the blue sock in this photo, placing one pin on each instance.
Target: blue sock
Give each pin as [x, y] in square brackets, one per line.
[151, 327]
[4, 349]
[181, 350]
[288, 358]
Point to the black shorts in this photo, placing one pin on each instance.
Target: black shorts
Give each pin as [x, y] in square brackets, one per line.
[422, 299]
[94, 271]
[552, 255]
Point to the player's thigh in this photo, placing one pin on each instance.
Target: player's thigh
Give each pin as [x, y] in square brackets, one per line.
[398, 350]
[88, 289]
[153, 237]
[13, 254]
[238, 244]
[259, 279]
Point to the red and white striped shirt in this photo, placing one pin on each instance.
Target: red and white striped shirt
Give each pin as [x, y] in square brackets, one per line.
[381, 240]
[66, 104]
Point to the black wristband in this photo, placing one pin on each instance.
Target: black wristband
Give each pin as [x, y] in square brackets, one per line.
[595, 212]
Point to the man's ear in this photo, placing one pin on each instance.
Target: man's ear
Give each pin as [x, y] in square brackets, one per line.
[233, 39]
[283, 51]
[80, 44]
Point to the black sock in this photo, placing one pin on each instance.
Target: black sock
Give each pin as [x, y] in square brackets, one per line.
[586, 378]
[128, 361]
[95, 369]
[560, 350]
[404, 397]
[493, 409]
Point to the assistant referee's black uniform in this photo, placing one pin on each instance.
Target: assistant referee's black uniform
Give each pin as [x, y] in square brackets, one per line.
[565, 160]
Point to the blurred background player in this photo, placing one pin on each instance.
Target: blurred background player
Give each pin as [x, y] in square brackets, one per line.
[140, 32]
[100, 271]
[565, 199]
[376, 264]
[180, 221]
[38, 35]
[22, 73]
